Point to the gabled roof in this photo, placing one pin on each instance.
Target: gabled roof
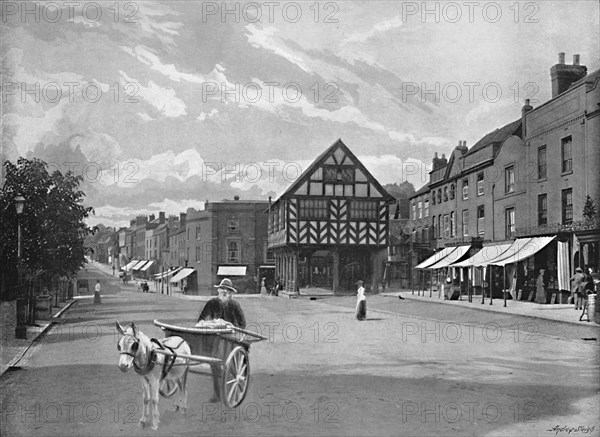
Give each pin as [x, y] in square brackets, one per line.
[422, 190]
[331, 156]
[497, 136]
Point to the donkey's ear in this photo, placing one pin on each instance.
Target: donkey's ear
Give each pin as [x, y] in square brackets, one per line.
[120, 328]
[134, 329]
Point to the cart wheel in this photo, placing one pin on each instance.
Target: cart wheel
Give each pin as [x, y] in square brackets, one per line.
[236, 377]
[167, 388]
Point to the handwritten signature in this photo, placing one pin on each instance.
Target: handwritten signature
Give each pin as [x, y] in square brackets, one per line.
[569, 429]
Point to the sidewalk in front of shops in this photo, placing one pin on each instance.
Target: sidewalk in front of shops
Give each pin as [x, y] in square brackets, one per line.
[556, 312]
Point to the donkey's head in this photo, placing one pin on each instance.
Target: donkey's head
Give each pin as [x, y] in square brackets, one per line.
[129, 346]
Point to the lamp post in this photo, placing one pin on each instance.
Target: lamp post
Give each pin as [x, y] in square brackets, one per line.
[21, 329]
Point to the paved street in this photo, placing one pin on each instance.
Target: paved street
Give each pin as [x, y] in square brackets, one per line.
[413, 368]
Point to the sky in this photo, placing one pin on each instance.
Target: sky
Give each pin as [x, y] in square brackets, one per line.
[161, 106]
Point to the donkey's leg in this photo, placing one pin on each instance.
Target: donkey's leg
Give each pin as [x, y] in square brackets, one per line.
[146, 398]
[182, 392]
[154, 383]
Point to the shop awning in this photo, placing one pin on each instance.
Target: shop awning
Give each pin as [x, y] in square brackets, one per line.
[530, 248]
[481, 258]
[130, 265]
[266, 267]
[167, 273]
[438, 256]
[231, 271]
[452, 257]
[184, 273]
[139, 265]
[511, 251]
[147, 266]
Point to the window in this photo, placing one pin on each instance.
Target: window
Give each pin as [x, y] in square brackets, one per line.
[197, 232]
[233, 252]
[567, 160]
[480, 184]
[567, 206]
[434, 227]
[420, 208]
[509, 179]
[439, 195]
[364, 209]
[542, 162]
[440, 226]
[426, 208]
[446, 226]
[312, 209]
[414, 211]
[198, 253]
[269, 255]
[452, 191]
[509, 220]
[452, 224]
[445, 194]
[465, 189]
[433, 198]
[465, 222]
[542, 209]
[480, 220]
[334, 174]
[426, 233]
[233, 226]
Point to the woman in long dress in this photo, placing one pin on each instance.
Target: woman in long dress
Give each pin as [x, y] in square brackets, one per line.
[540, 295]
[361, 302]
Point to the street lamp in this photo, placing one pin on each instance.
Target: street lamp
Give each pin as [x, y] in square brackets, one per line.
[21, 329]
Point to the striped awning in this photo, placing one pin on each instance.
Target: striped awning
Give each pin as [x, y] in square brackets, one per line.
[147, 266]
[452, 257]
[139, 264]
[487, 253]
[184, 273]
[130, 265]
[438, 256]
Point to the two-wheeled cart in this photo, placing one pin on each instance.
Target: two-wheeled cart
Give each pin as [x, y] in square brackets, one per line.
[225, 349]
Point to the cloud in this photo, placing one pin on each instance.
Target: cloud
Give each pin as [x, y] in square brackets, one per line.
[203, 115]
[163, 99]
[264, 38]
[382, 27]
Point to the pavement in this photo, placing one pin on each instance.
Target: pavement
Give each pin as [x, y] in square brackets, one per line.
[12, 349]
[556, 312]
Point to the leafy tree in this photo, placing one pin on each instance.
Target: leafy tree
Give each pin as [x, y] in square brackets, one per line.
[52, 222]
[589, 209]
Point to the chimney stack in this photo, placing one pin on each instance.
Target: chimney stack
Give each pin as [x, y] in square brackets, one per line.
[562, 76]
[524, 110]
[462, 147]
[182, 216]
[161, 217]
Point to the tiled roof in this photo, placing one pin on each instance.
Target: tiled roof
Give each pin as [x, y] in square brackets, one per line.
[497, 136]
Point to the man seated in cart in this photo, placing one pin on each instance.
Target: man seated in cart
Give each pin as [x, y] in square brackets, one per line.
[226, 308]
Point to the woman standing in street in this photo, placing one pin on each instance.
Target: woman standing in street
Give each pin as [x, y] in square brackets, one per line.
[540, 295]
[361, 302]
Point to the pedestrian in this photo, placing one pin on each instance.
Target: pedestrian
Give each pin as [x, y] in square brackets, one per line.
[97, 290]
[263, 287]
[225, 308]
[361, 302]
[576, 279]
[540, 294]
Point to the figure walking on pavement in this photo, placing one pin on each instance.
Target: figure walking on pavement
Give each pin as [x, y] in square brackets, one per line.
[97, 290]
[576, 279]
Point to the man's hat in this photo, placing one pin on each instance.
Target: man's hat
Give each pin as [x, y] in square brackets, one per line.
[359, 282]
[578, 269]
[227, 284]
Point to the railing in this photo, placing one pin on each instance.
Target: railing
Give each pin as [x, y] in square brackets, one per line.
[555, 228]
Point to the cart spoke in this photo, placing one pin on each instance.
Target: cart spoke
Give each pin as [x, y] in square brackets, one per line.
[231, 392]
[242, 371]
[231, 382]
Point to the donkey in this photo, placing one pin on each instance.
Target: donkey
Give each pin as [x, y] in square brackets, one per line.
[158, 371]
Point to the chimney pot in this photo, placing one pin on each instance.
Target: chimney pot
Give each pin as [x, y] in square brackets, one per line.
[575, 59]
[561, 58]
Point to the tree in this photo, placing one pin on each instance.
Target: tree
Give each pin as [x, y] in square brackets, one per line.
[589, 209]
[52, 222]
[402, 192]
